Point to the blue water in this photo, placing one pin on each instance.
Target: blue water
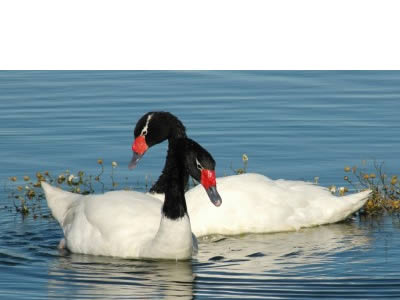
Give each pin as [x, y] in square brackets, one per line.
[293, 125]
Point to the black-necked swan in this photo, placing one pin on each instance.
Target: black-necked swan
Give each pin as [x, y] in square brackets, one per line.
[131, 224]
[252, 202]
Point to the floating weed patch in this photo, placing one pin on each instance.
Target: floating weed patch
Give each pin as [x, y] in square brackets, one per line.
[385, 188]
[26, 192]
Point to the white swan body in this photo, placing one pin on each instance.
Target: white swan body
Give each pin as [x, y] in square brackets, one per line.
[253, 203]
[119, 223]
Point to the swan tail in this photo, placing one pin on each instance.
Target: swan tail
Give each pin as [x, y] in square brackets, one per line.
[357, 200]
[58, 200]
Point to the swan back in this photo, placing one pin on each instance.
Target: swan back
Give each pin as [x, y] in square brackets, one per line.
[255, 203]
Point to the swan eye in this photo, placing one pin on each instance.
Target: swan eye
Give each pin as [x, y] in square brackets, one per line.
[199, 166]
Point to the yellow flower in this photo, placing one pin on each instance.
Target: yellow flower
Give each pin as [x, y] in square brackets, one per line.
[100, 161]
[347, 169]
[14, 178]
[343, 190]
[394, 180]
[366, 176]
[396, 204]
[26, 178]
[372, 175]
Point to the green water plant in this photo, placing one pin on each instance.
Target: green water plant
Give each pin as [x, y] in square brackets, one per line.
[243, 169]
[26, 193]
[385, 188]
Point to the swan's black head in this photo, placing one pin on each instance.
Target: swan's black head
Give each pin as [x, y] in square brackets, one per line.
[201, 166]
[152, 129]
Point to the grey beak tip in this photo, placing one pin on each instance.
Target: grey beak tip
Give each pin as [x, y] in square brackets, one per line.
[135, 159]
[214, 196]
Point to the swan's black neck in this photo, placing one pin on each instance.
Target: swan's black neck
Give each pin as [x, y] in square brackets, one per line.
[175, 174]
[176, 128]
[176, 131]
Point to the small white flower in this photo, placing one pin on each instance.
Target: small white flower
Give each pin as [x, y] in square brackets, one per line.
[332, 189]
[245, 158]
[114, 164]
[71, 177]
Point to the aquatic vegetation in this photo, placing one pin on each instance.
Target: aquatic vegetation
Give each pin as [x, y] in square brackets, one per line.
[27, 199]
[26, 194]
[386, 188]
[242, 170]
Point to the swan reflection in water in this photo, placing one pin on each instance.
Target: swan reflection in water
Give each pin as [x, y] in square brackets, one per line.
[91, 276]
[224, 260]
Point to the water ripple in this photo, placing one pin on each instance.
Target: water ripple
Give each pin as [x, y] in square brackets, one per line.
[291, 124]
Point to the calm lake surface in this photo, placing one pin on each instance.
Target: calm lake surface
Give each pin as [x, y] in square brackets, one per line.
[293, 125]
